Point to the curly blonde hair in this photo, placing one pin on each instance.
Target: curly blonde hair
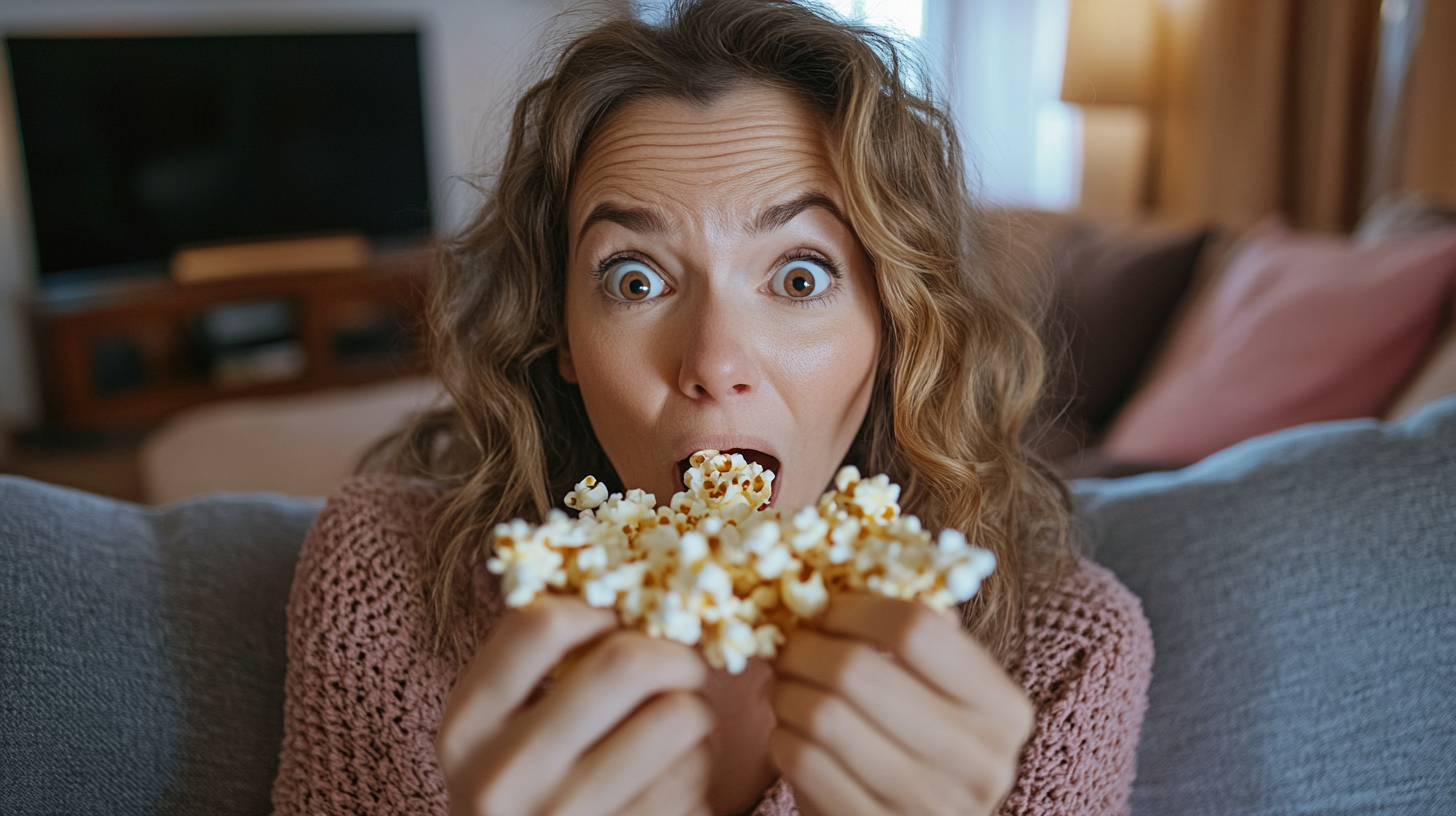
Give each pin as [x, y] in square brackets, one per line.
[961, 366]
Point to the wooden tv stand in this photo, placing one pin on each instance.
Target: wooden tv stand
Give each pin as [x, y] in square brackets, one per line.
[130, 356]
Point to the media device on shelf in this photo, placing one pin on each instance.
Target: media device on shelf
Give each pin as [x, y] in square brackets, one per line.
[136, 147]
[220, 215]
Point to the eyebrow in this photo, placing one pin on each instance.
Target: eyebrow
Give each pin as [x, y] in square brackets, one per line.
[781, 214]
[641, 219]
[637, 219]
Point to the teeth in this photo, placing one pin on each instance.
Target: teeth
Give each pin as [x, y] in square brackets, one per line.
[764, 460]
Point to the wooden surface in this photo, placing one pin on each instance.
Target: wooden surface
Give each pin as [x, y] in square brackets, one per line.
[154, 315]
[110, 467]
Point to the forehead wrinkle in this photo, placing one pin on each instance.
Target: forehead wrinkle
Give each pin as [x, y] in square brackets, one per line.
[690, 133]
[779, 175]
[669, 156]
[620, 127]
[736, 162]
[671, 198]
[718, 154]
[624, 138]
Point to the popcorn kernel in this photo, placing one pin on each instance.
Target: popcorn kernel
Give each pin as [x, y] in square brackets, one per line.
[715, 569]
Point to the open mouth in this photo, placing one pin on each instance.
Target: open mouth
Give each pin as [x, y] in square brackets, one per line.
[765, 460]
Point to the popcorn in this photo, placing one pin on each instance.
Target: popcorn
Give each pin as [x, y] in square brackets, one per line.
[588, 494]
[715, 568]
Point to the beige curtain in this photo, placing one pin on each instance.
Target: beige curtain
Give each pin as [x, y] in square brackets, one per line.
[1430, 151]
[1264, 110]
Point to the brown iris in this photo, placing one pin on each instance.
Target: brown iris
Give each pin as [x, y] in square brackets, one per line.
[800, 283]
[634, 285]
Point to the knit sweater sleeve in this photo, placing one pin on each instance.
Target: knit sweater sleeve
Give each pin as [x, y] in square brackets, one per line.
[362, 693]
[1086, 661]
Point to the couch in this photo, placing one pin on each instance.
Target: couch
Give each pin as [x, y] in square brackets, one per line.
[1299, 587]
[1120, 296]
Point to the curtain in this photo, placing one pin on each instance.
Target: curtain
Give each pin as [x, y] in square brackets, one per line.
[1003, 65]
[1430, 147]
[1264, 110]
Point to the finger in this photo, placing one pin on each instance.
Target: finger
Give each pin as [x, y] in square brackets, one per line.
[926, 723]
[879, 762]
[611, 681]
[934, 647]
[822, 787]
[508, 668]
[631, 758]
[932, 644]
[681, 791]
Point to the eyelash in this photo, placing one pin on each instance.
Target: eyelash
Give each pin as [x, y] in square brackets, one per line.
[612, 259]
[829, 266]
[599, 274]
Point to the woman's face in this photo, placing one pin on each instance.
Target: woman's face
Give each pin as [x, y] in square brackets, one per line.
[716, 296]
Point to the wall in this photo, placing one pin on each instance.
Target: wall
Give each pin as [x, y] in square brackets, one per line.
[477, 56]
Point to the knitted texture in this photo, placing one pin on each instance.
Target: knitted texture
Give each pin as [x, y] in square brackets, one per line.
[364, 694]
[1086, 662]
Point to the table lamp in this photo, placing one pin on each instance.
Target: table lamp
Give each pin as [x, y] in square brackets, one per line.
[1112, 50]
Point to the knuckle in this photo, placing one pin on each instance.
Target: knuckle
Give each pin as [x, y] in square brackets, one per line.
[698, 772]
[990, 786]
[541, 622]
[625, 656]
[827, 715]
[786, 752]
[1023, 720]
[1028, 716]
[856, 659]
[490, 796]
[686, 711]
[956, 800]
[447, 744]
[924, 628]
[929, 631]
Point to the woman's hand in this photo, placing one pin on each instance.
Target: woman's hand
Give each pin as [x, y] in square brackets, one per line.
[889, 708]
[622, 732]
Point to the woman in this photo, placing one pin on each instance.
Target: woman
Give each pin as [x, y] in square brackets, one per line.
[742, 231]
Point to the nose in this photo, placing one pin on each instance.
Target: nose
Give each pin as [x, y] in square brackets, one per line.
[717, 359]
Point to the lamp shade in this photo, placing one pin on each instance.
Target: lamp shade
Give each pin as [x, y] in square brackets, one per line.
[1111, 48]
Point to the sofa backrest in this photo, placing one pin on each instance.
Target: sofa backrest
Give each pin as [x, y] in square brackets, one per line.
[1301, 588]
[142, 650]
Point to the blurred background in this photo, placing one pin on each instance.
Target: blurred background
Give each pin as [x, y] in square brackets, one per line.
[215, 218]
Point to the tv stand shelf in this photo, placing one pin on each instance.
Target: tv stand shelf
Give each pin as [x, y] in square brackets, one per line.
[130, 356]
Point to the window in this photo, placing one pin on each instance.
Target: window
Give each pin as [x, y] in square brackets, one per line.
[999, 65]
[1003, 60]
[905, 18]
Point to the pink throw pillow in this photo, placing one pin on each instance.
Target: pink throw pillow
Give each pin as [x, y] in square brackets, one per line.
[1299, 328]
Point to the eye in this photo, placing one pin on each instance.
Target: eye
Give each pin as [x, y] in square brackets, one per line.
[801, 278]
[633, 281]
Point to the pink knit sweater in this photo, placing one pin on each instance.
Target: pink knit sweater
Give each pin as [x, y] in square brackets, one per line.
[364, 695]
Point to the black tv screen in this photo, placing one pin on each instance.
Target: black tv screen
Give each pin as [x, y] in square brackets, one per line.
[135, 146]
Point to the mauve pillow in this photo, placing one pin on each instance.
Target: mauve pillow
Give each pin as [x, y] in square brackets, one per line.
[1433, 379]
[1299, 328]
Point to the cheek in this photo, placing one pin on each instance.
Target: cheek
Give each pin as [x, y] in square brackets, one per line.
[828, 374]
[834, 364]
[609, 373]
[618, 376]
[832, 361]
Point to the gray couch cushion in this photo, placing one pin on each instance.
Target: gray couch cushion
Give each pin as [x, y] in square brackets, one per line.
[1302, 593]
[142, 650]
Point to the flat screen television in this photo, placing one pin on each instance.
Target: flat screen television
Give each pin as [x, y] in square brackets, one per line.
[135, 146]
